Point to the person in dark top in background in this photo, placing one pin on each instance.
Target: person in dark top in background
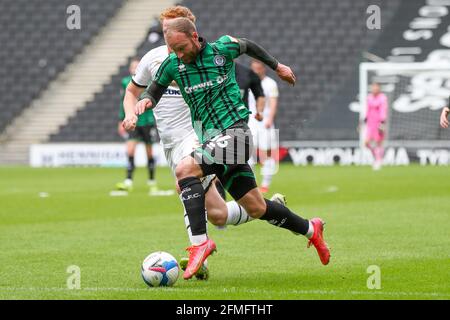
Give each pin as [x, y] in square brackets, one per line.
[249, 80]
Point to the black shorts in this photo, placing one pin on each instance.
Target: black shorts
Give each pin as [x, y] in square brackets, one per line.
[226, 156]
[143, 133]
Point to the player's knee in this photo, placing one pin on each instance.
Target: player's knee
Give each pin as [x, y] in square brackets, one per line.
[256, 210]
[183, 170]
[217, 218]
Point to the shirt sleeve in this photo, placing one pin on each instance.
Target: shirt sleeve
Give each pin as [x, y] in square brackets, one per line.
[143, 75]
[164, 76]
[272, 90]
[230, 46]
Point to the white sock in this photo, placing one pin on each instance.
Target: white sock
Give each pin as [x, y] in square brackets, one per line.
[128, 182]
[267, 171]
[310, 232]
[195, 240]
[236, 214]
[266, 181]
[199, 239]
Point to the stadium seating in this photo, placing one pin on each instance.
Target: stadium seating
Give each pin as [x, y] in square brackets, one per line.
[322, 41]
[36, 46]
[97, 122]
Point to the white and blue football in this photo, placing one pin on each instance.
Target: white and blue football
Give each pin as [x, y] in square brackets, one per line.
[160, 269]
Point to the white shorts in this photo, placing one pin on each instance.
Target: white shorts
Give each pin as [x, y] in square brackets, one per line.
[182, 149]
[263, 138]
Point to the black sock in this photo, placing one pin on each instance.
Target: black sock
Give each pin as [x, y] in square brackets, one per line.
[130, 167]
[193, 197]
[151, 168]
[282, 217]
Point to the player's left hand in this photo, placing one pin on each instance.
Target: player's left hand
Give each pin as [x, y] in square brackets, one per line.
[444, 117]
[268, 124]
[285, 73]
[259, 116]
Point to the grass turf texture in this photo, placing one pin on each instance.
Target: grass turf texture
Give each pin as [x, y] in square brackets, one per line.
[397, 219]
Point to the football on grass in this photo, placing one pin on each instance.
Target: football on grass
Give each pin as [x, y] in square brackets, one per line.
[160, 269]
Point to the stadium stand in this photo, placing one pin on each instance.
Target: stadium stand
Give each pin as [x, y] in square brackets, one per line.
[73, 87]
[36, 46]
[97, 121]
[337, 122]
[322, 40]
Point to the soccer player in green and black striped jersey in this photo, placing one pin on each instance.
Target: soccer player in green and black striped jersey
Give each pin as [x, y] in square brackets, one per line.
[144, 127]
[205, 74]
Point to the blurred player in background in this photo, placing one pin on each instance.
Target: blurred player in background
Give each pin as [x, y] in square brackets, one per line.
[264, 134]
[444, 115]
[247, 81]
[144, 127]
[376, 116]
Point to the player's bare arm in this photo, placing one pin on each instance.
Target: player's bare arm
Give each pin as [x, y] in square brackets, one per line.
[132, 94]
[444, 117]
[273, 104]
[254, 50]
[260, 103]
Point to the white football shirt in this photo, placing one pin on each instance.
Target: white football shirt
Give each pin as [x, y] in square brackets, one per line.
[172, 114]
[270, 89]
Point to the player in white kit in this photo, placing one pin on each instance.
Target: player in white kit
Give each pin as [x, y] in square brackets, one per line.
[265, 135]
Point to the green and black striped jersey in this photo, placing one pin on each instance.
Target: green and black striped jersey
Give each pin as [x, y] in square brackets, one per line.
[208, 85]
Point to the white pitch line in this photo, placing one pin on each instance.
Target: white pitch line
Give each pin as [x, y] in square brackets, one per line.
[235, 290]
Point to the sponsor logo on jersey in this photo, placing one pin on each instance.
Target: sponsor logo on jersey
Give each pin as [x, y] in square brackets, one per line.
[219, 60]
[172, 92]
[181, 67]
[205, 85]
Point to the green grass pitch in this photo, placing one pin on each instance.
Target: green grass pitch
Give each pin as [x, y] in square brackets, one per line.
[397, 219]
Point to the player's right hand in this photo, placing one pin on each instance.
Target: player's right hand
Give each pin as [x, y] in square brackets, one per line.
[444, 117]
[259, 116]
[121, 130]
[142, 105]
[285, 73]
[129, 123]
